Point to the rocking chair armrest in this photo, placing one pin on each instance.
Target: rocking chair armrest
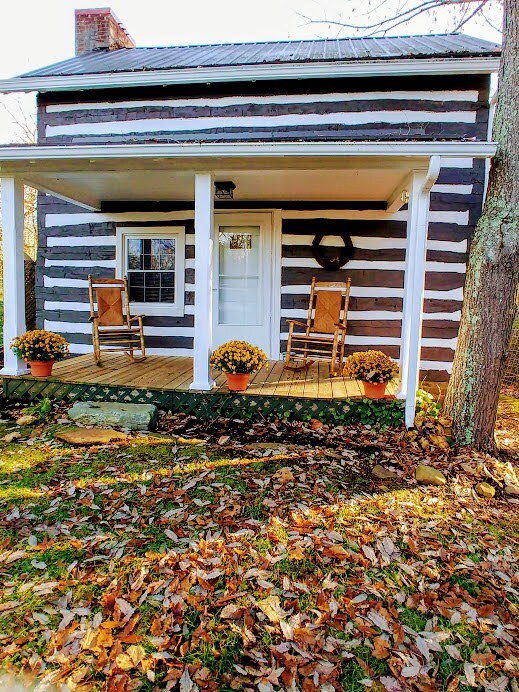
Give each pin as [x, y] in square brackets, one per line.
[94, 316]
[135, 317]
[301, 324]
[341, 326]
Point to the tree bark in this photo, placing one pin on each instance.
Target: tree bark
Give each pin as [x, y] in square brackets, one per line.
[493, 267]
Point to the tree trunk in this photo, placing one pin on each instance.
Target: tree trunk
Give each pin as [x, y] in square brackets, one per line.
[493, 268]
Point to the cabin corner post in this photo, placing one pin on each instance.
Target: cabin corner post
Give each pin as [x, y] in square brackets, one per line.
[13, 267]
[414, 284]
[204, 239]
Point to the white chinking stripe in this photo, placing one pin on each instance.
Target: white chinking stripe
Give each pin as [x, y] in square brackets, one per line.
[356, 340]
[362, 315]
[81, 241]
[106, 264]
[311, 263]
[374, 243]
[452, 162]
[95, 241]
[224, 101]
[447, 189]
[59, 220]
[122, 127]
[86, 328]
[379, 292]
[75, 306]
[460, 218]
[179, 352]
[436, 365]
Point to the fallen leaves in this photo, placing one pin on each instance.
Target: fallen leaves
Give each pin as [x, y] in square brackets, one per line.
[271, 607]
[231, 556]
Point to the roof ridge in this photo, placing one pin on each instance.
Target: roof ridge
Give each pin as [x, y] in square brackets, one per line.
[309, 40]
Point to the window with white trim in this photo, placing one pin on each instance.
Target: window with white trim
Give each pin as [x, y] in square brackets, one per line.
[153, 259]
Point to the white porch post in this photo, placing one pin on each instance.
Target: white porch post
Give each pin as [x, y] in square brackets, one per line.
[14, 280]
[414, 285]
[204, 224]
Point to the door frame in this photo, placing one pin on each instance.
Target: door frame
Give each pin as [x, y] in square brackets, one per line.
[271, 252]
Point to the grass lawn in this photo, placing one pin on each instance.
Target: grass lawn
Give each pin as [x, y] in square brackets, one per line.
[156, 566]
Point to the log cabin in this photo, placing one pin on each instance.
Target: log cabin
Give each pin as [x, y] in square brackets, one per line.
[206, 173]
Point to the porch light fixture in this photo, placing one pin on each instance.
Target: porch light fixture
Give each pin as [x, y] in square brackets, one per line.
[223, 189]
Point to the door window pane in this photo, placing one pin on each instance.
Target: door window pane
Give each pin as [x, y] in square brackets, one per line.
[239, 279]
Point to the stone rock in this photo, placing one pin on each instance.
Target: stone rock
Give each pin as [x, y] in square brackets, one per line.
[90, 436]
[129, 416]
[25, 420]
[485, 490]
[429, 475]
[512, 490]
[384, 474]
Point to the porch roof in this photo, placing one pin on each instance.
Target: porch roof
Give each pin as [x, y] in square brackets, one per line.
[364, 172]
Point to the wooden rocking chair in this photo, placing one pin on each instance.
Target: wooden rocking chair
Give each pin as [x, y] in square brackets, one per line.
[112, 328]
[325, 329]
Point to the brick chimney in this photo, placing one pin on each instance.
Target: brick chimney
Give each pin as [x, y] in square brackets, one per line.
[99, 29]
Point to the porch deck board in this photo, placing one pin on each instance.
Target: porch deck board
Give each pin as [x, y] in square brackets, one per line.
[166, 373]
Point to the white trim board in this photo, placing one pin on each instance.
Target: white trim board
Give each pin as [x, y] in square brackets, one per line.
[245, 73]
[91, 152]
[175, 309]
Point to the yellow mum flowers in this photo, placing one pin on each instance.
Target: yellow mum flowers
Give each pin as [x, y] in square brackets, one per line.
[39, 344]
[370, 366]
[238, 357]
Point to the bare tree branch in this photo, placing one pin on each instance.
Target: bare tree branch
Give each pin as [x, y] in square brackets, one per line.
[396, 17]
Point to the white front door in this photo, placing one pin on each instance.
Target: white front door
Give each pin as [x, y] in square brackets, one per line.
[242, 281]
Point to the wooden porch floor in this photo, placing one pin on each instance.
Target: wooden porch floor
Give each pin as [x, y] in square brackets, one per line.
[176, 374]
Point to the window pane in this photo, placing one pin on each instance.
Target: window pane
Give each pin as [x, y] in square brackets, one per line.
[239, 275]
[134, 253]
[151, 269]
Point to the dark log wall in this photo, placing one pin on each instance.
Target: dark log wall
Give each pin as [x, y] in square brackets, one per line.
[422, 108]
[412, 108]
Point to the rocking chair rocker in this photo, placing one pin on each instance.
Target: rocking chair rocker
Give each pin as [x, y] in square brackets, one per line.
[325, 329]
[112, 328]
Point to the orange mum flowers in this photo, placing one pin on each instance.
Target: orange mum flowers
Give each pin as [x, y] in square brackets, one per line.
[238, 357]
[370, 366]
[39, 344]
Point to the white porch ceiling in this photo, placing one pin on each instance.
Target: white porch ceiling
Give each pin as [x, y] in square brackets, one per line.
[94, 187]
[271, 172]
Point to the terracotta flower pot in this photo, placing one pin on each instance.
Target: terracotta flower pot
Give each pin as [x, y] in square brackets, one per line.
[374, 390]
[238, 382]
[41, 368]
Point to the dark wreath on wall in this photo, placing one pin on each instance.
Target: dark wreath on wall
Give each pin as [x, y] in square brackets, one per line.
[332, 258]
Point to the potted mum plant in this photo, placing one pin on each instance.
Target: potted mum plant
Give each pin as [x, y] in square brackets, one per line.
[238, 360]
[40, 349]
[374, 369]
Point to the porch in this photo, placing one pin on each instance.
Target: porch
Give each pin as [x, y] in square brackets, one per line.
[128, 185]
[166, 380]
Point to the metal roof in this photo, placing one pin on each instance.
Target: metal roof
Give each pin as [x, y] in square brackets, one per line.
[230, 54]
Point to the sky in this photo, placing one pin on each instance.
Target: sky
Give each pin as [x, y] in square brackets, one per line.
[34, 33]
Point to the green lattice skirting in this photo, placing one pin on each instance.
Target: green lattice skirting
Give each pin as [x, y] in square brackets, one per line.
[210, 405]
